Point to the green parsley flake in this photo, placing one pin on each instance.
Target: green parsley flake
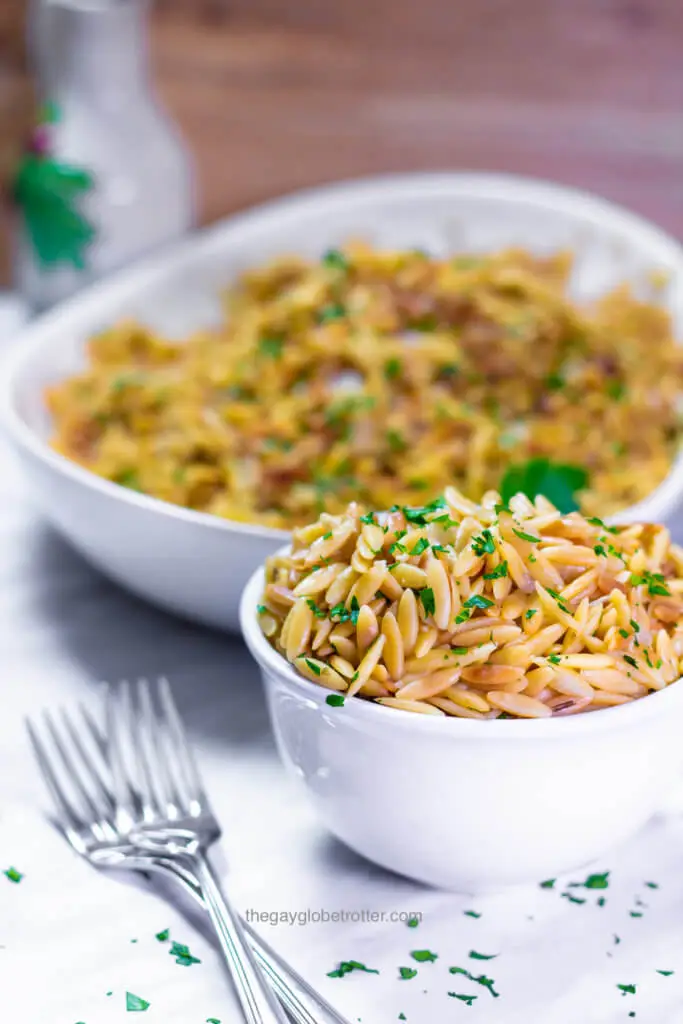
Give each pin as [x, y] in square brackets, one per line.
[625, 633]
[313, 667]
[163, 936]
[212, 1020]
[480, 979]
[396, 441]
[635, 913]
[665, 974]
[635, 626]
[554, 659]
[526, 536]
[652, 885]
[597, 881]
[627, 990]
[630, 661]
[182, 955]
[482, 956]
[424, 956]
[477, 601]
[413, 922]
[134, 1004]
[498, 573]
[261, 608]
[13, 875]
[483, 544]
[335, 700]
[529, 614]
[471, 913]
[601, 901]
[347, 966]
[421, 546]
[462, 616]
[335, 259]
[271, 348]
[654, 580]
[402, 1016]
[571, 898]
[333, 311]
[468, 1000]
[369, 518]
[319, 613]
[548, 884]
[406, 973]
[392, 368]
[427, 599]
[600, 550]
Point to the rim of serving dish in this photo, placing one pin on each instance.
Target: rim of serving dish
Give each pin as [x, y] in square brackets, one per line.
[122, 285]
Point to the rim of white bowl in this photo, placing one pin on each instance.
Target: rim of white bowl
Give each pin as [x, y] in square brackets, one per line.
[499, 729]
[86, 305]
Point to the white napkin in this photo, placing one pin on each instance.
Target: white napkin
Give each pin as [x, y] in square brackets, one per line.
[67, 932]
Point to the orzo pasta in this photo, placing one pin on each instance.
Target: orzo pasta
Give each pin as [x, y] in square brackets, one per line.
[479, 611]
[381, 377]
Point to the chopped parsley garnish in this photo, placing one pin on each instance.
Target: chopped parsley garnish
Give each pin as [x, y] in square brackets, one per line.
[402, 1016]
[427, 599]
[347, 966]
[652, 885]
[665, 974]
[182, 955]
[319, 613]
[460, 650]
[529, 614]
[571, 898]
[333, 311]
[526, 536]
[163, 936]
[554, 659]
[483, 544]
[392, 368]
[625, 633]
[413, 922]
[630, 661]
[477, 601]
[471, 913]
[335, 700]
[212, 1020]
[271, 347]
[559, 599]
[335, 259]
[634, 625]
[341, 614]
[498, 573]
[369, 518]
[424, 956]
[130, 479]
[548, 884]
[654, 580]
[616, 389]
[617, 940]
[396, 441]
[134, 1004]
[481, 956]
[556, 482]
[315, 669]
[627, 990]
[463, 616]
[635, 913]
[261, 608]
[406, 973]
[480, 979]
[421, 546]
[418, 515]
[13, 875]
[600, 550]
[597, 881]
[601, 901]
[463, 998]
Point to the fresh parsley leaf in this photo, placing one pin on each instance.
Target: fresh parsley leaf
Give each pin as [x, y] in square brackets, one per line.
[556, 482]
[630, 661]
[634, 625]
[319, 613]
[392, 368]
[396, 441]
[665, 974]
[315, 669]
[413, 922]
[597, 881]
[418, 514]
[554, 659]
[478, 601]
[406, 973]
[335, 259]
[134, 1004]
[480, 979]
[635, 913]
[424, 956]
[369, 518]
[420, 546]
[163, 936]
[182, 955]
[463, 998]
[270, 347]
[335, 700]
[333, 311]
[548, 884]
[625, 633]
[600, 902]
[347, 966]
[130, 479]
[471, 913]
[652, 885]
[427, 599]
[481, 956]
[500, 572]
[654, 580]
[261, 608]
[629, 990]
[13, 875]
[530, 612]
[212, 1020]
[571, 898]
[616, 389]
[526, 536]
[483, 544]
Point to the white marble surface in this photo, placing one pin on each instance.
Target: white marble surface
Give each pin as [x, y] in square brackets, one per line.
[65, 932]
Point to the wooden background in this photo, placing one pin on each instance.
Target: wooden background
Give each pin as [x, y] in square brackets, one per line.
[276, 94]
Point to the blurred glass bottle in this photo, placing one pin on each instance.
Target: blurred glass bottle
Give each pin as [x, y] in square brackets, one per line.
[105, 176]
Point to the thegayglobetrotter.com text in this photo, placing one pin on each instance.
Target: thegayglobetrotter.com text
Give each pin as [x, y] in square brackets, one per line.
[322, 915]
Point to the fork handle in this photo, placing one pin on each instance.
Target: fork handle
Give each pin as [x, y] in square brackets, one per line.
[259, 1003]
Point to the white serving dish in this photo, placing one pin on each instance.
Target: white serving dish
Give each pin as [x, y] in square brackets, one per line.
[463, 804]
[195, 564]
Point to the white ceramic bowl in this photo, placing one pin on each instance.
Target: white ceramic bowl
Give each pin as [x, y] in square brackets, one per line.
[195, 564]
[468, 805]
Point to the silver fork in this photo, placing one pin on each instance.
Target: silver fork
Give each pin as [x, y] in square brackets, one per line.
[118, 819]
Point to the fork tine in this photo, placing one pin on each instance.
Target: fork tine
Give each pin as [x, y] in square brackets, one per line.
[97, 774]
[153, 753]
[73, 770]
[117, 716]
[65, 809]
[182, 751]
